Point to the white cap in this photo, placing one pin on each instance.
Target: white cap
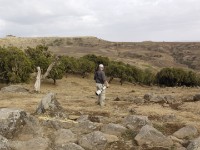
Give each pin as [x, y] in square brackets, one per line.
[101, 66]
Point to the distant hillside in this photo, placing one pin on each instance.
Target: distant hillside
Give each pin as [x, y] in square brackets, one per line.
[142, 54]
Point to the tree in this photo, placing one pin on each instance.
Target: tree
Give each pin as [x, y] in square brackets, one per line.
[15, 67]
[57, 72]
[85, 66]
[49, 63]
[97, 59]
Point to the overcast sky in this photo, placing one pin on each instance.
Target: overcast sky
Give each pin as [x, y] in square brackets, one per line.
[114, 20]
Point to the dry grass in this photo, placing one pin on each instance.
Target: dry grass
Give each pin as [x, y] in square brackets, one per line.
[77, 97]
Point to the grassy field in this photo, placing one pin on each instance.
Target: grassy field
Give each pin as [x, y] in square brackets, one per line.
[77, 97]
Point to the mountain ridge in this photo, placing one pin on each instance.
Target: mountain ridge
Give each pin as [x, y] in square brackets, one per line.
[146, 54]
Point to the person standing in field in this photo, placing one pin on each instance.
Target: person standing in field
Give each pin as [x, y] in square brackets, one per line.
[100, 79]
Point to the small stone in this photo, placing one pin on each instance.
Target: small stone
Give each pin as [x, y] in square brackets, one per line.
[73, 117]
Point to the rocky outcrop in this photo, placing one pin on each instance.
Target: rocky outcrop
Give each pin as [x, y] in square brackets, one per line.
[58, 124]
[14, 89]
[64, 136]
[151, 97]
[48, 103]
[4, 143]
[69, 146]
[96, 140]
[11, 121]
[151, 137]
[186, 132]
[113, 129]
[194, 144]
[38, 143]
[135, 121]
[84, 127]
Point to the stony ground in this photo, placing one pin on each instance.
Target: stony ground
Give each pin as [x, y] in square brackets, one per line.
[76, 96]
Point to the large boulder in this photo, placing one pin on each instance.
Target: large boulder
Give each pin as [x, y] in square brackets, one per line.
[48, 103]
[194, 144]
[96, 140]
[70, 146]
[38, 143]
[64, 136]
[186, 132]
[135, 121]
[11, 121]
[114, 129]
[14, 88]
[151, 137]
[4, 143]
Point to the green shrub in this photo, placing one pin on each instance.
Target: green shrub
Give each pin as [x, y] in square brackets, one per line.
[177, 77]
[15, 67]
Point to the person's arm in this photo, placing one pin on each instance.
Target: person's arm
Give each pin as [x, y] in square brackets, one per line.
[106, 83]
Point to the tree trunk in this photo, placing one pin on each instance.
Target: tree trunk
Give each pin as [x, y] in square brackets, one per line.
[39, 76]
[38, 80]
[111, 78]
[54, 81]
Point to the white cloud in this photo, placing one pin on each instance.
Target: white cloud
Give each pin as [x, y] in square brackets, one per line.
[118, 20]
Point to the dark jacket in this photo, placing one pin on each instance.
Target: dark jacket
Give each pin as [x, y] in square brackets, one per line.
[100, 77]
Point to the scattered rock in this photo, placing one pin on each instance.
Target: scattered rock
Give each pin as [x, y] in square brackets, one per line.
[31, 129]
[11, 121]
[194, 144]
[4, 143]
[38, 143]
[84, 127]
[181, 148]
[151, 137]
[58, 124]
[135, 121]
[169, 99]
[188, 98]
[150, 97]
[48, 103]
[64, 136]
[133, 99]
[186, 132]
[138, 100]
[175, 139]
[111, 138]
[99, 119]
[96, 140]
[83, 118]
[70, 146]
[117, 99]
[15, 89]
[73, 117]
[114, 129]
[196, 97]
